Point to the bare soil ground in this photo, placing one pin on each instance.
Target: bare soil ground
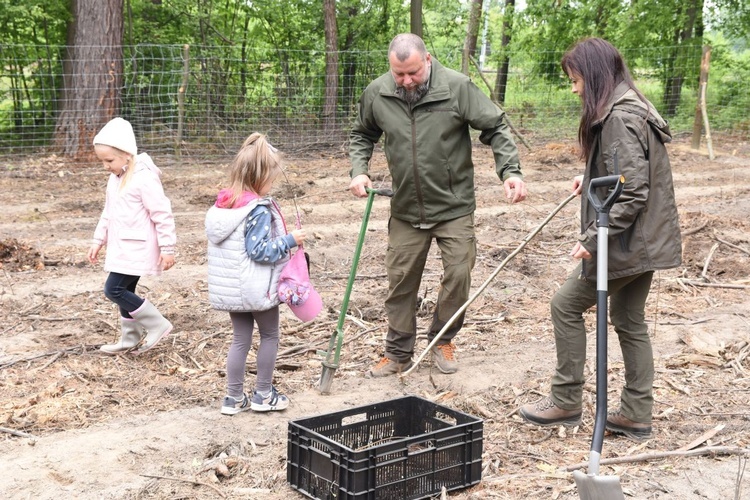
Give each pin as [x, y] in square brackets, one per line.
[81, 424]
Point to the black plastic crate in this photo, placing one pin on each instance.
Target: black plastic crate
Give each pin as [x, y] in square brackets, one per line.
[405, 448]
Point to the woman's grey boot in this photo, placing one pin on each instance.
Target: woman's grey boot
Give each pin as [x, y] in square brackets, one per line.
[151, 320]
[131, 336]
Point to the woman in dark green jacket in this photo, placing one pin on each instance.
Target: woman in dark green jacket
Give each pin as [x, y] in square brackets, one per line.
[620, 133]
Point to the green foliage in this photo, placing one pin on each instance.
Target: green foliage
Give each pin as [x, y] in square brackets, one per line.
[728, 99]
[261, 63]
[444, 29]
[731, 17]
[33, 22]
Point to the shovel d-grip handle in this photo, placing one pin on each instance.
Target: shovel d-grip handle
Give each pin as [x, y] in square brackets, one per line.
[334, 344]
[610, 181]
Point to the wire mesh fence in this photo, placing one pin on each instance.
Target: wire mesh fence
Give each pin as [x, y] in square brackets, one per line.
[199, 102]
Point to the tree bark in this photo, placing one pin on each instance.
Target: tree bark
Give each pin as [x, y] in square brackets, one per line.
[415, 11]
[332, 67]
[472, 32]
[349, 65]
[679, 57]
[91, 93]
[501, 81]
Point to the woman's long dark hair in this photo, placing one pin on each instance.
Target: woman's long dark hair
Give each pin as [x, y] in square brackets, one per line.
[602, 68]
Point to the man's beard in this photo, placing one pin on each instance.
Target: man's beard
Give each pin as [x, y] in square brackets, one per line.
[413, 95]
[418, 92]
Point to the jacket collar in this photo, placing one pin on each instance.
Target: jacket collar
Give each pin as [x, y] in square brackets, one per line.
[624, 98]
[438, 90]
[621, 93]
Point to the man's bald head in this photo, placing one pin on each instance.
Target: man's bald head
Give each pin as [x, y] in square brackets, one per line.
[404, 44]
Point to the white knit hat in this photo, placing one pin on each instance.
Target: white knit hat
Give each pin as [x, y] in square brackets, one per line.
[118, 133]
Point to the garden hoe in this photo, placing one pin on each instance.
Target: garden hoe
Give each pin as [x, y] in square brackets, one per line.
[591, 486]
[331, 356]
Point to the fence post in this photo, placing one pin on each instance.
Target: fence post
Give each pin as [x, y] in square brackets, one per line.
[181, 99]
[700, 104]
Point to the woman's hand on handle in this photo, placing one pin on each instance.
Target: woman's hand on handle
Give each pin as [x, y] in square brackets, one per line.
[577, 184]
[580, 252]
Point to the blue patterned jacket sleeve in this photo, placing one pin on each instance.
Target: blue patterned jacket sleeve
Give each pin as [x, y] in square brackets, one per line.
[260, 244]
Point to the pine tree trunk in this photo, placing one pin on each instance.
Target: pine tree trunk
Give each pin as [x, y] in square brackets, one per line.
[501, 81]
[472, 33]
[91, 95]
[332, 67]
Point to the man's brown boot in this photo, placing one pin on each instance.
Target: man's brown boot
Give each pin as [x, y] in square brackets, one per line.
[546, 413]
[445, 358]
[619, 424]
[386, 367]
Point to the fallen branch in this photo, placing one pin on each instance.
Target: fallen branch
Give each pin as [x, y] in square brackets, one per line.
[189, 481]
[81, 348]
[51, 318]
[10, 282]
[17, 433]
[683, 281]
[736, 247]
[742, 463]
[645, 457]
[695, 229]
[512, 477]
[9, 328]
[694, 322]
[703, 438]
[50, 361]
[708, 259]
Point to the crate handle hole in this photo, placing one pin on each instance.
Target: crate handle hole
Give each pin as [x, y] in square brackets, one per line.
[446, 418]
[421, 446]
[354, 419]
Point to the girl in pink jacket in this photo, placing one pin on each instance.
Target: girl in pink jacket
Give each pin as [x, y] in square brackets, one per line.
[137, 226]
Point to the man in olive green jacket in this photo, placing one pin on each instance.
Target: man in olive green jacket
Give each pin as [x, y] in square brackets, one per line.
[425, 111]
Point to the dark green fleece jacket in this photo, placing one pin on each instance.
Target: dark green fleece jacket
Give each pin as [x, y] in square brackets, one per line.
[428, 146]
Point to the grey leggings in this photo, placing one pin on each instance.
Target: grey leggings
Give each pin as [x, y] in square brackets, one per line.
[268, 327]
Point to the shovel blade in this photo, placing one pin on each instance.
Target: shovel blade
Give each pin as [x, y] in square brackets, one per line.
[326, 379]
[598, 487]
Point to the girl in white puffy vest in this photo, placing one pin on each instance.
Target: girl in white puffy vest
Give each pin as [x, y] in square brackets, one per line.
[137, 227]
[248, 246]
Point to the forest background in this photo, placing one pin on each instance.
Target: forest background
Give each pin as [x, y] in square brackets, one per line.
[195, 77]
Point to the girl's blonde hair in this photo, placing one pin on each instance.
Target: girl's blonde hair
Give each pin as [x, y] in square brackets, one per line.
[255, 164]
[128, 171]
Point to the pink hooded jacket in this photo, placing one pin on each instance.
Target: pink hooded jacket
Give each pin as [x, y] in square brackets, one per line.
[137, 224]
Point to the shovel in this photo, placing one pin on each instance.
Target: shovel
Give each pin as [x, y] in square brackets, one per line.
[331, 356]
[591, 486]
